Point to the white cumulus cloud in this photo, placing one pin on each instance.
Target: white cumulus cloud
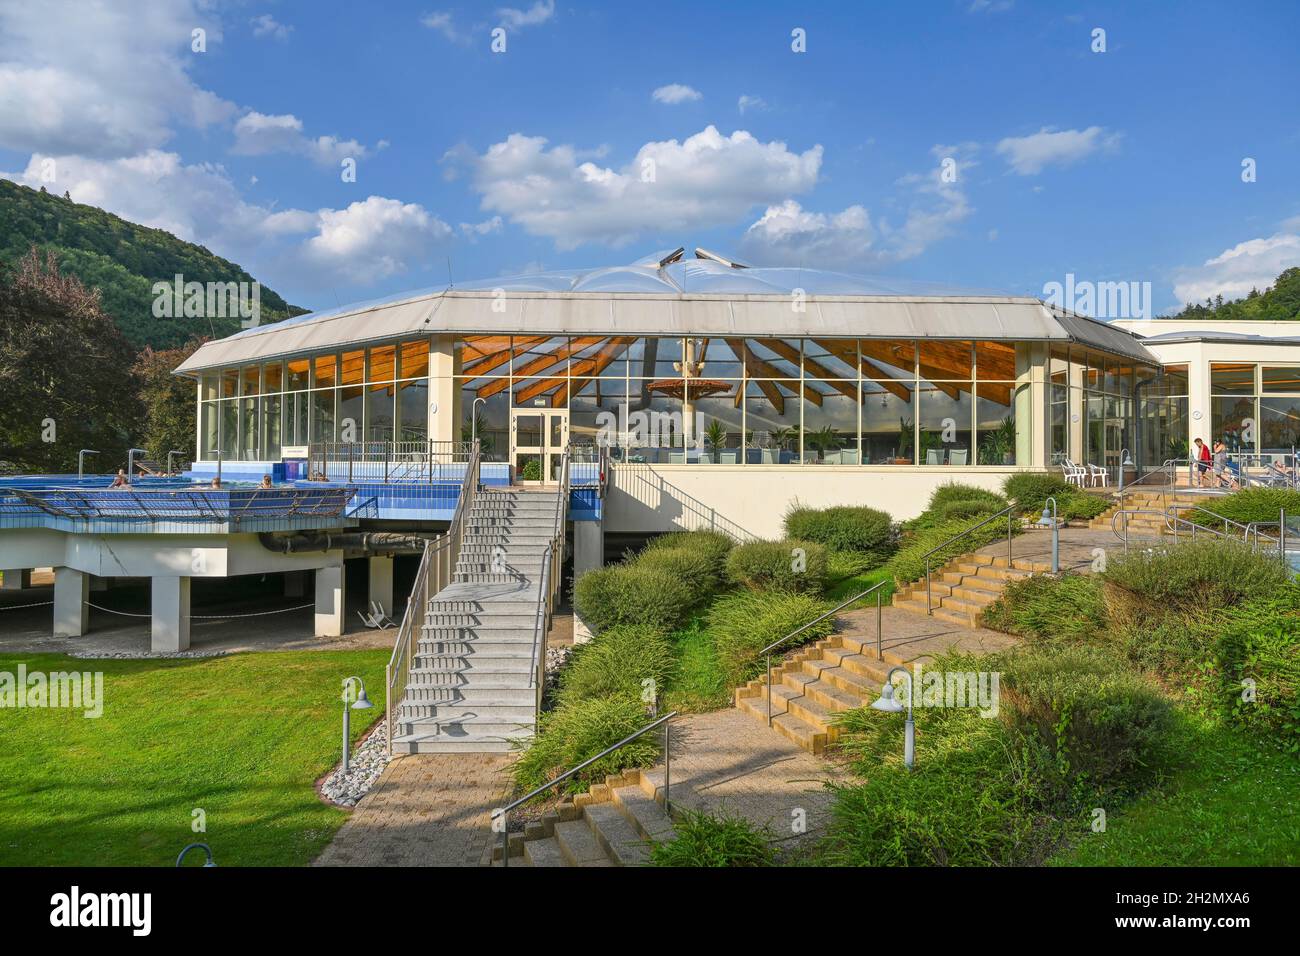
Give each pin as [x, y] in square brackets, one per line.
[259, 134]
[266, 25]
[708, 179]
[675, 93]
[1253, 264]
[1030, 155]
[512, 18]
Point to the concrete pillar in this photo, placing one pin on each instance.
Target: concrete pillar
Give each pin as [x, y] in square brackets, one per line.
[329, 601]
[16, 579]
[170, 623]
[588, 547]
[71, 591]
[295, 584]
[381, 581]
[444, 389]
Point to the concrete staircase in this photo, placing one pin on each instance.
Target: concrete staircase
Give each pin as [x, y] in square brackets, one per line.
[810, 686]
[1149, 525]
[963, 587]
[610, 825]
[472, 686]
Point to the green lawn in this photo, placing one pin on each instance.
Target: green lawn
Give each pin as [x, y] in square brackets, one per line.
[697, 683]
[1230, 803]
[243, 738]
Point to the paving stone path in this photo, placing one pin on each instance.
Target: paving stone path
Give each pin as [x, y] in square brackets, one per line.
[426, 810]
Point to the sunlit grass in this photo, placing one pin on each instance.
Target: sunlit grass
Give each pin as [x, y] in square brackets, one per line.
[242, 738]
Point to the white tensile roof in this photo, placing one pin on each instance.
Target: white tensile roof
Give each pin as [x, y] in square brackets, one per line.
[666, 294]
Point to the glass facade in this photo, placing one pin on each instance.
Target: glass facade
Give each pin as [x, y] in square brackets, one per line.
[1255, 408]
[252, 413]
[733, 399]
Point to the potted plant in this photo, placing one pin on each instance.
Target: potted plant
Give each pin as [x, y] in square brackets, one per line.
[715, 436]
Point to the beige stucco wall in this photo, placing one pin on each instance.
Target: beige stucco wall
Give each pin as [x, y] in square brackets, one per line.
[754, 499]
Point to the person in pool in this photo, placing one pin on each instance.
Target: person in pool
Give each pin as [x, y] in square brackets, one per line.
[266, 482]
[121, 481]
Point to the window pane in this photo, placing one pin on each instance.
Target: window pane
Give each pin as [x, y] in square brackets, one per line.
[1281, 378]
[830, 422]
[208, 430]
[324, 372]
[1232, 379]
[229, 382]
[229, 429]
[351, 408]
[322, 415]
[248, 379]
[352, 367]
[945, 414]
[248, 427]
[273, 377]
[1279, 424]
[271, 414]
[379, 413]
[415, 360]
[995, 422]
[772, 422]
[996, 361]
[943, 361]
[887, 432]
[383, 363]
[1229, 420]
[883, 359]
[413, 405]
[298, 374]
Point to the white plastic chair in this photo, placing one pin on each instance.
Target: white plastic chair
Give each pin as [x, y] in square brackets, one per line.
[1073, 473]
[1098, 475]
[377, 617]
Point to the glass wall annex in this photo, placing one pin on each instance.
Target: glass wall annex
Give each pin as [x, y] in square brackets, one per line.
[743, 400]
[1255, 408]
[378, 394]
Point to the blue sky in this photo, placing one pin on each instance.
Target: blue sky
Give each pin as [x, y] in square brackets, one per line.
[1117, 165]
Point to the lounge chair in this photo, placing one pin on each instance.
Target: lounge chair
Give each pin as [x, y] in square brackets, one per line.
[958, 456]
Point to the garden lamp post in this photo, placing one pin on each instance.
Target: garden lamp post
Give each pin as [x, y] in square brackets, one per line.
[81, 461]
[889, 704]
[473, 419]
[1049, 520]
[362, 702]
[197, 846]
[1124, 462]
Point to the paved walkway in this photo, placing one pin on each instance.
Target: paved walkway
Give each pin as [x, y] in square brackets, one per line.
[915, 636]
[1078, 546]
[726, 761]
[426, 810]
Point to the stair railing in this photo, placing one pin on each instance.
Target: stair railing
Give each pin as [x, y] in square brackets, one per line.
[548, 584]
[929, 605]
[500, 818]
[1250, 533]
[437, 568]
[767, 651]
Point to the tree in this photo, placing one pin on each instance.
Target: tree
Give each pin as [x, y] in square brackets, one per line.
[166, 400]
[65, 381]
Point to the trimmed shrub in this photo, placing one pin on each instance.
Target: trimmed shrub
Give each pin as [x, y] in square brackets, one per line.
[713, 544]
[1196, 577]
[745, 622]
[697, 570]
[1081, 506]
[630, 594]
[765, 565]
[704, 840]
[843, 528]
[1029, 491]
[579, 730]
[1097, 721]
[1069, 606]
[617, 661]
[956, 500]
[1247, 505]
[1260, 643]
[954, 510]
[909, 563]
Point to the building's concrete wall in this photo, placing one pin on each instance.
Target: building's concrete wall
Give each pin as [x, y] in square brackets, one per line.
[754, 499]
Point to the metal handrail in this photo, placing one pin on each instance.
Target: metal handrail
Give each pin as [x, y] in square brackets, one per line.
[1173, 521]
[767, 651]
[929, 605]
[434, 574]
[503, 813]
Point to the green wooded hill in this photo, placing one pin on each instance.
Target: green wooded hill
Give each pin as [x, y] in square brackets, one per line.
[123, 260]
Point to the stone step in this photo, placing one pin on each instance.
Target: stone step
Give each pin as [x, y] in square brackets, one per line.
[479, 665]
[647, 817]
[544, 852]
[425, 744]
[616, 834]
[503, 621]
[477, 694]
[465, 726]
[579, 846]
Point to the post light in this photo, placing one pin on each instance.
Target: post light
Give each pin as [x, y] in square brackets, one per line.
[889, 704]
[361, 703]
[197, 846]
[1124, 462]
[81, 461]
[473, 419]
[1049, 520]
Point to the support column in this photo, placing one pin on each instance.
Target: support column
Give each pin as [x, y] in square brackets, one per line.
[329, 601]
[444, 390]
[295, 584]
[170, 623]
[16, 579]
[588, 547]
[381, 581]
[71, 591]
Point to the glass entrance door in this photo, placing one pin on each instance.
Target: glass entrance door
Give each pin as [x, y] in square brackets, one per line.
[538, 437]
